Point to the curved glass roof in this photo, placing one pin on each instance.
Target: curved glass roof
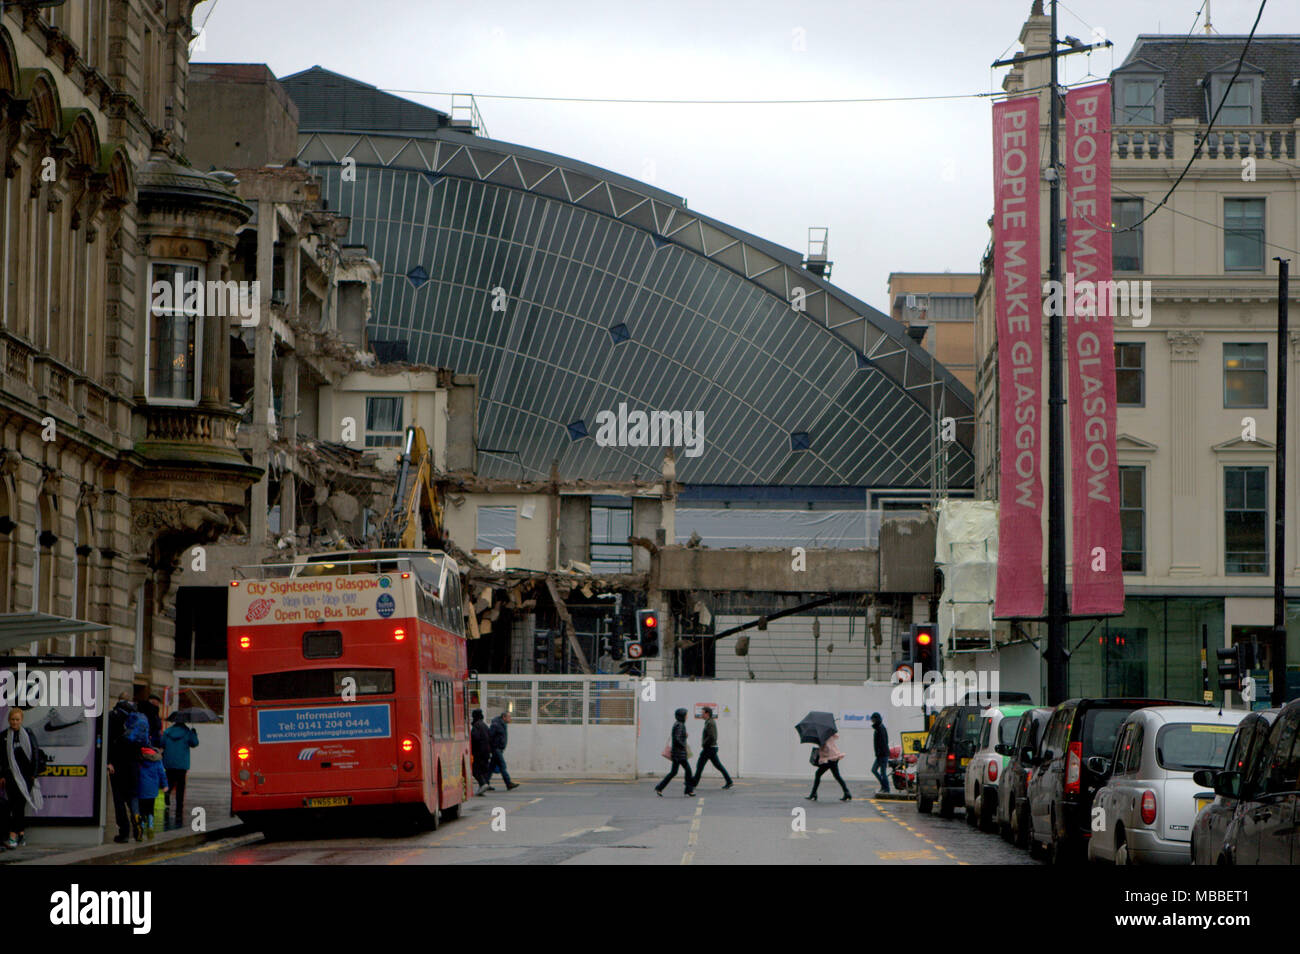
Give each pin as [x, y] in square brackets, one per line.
[571, 290]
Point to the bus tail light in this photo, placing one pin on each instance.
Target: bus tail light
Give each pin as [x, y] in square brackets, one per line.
[408, 745]
[1073, 766]
[245, 642]
[1148, 807]
[243, 753]
[399, 634]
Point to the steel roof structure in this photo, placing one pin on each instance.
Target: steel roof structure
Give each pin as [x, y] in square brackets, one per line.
[570, 289]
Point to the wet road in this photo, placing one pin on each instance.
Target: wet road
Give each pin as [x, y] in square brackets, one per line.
[623, 822]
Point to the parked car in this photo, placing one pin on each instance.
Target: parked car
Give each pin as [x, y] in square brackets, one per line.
[1263, 830]
[987, 766]
[941, 766]
[1143, 814]
[1013, 806]
[1061, 789]
[1211, 825]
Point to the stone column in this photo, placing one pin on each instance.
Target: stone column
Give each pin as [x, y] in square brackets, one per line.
[264, 344]
[215, 390]
[289, 481]
[1187, 514]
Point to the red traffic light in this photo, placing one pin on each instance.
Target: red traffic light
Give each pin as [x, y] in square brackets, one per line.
[923, 639]
[651, 622]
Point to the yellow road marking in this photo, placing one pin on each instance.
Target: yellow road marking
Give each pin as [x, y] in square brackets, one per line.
[924, 854]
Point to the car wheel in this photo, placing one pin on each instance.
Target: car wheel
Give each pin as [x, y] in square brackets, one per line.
[945, 804]
[1021, 836]
[970, 813]
[988, 815]
[1036, 849]
[923, 802]
[1121, 850]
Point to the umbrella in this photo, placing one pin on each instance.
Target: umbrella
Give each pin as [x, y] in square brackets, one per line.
[194, 715]
[816, 727]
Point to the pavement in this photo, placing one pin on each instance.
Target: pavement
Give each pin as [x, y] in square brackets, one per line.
[622, 822]
[210, 793]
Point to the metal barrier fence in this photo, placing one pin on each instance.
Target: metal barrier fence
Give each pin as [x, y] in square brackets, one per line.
[560, 700]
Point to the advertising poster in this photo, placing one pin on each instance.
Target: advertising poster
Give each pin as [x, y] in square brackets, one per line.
[62, 700]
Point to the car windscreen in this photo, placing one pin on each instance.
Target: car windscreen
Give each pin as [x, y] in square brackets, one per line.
[1007, 731]
[1101, 729]
[1188, 747]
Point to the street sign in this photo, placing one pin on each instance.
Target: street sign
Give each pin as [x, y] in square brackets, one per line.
[634, 651]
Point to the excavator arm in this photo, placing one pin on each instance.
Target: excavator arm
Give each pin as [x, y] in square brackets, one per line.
[415, 518]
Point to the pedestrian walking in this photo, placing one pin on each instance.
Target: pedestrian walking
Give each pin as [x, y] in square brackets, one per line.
[22, 762]
[828, 760]
[679, 753]
[880, 741]
[498, 735]
[153, 779]
[124, 743]
[709, 750]
[480, 745]
[179, 738]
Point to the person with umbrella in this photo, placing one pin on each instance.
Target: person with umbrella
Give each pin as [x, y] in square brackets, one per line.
[177, 741]
[680, 755]
[819, 729]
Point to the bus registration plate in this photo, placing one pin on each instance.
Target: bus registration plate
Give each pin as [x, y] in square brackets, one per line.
[336, 801]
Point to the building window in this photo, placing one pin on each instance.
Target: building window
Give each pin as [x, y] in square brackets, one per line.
[1240, 101]
[1126, 247]
[174, 345]
[384, 421]
[1132, 518]
[1243, 235]
[496, 528]
[1245, 519]
[1130, 374]
[1245, 375]
[1139, 101]
[610, 528]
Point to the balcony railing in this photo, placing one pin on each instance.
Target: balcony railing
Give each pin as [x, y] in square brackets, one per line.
[1179, 140]
[189, 426]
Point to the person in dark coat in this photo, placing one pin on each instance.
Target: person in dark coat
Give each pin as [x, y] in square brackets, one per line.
[152, 709]
[880, 739]
[680, 755]
[480, 746]
[19, 766]
[498, 735]
[709, 750]
[123, 768]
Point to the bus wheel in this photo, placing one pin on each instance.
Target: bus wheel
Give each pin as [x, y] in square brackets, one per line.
[448, 814]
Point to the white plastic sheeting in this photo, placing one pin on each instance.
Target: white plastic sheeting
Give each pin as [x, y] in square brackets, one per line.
[966, 550]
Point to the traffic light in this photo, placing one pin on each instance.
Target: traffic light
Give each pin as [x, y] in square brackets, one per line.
[925, 650]
[647, 632]
[1232, 666]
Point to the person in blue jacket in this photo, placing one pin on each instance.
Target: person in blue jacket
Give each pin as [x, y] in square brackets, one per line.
[153, 778]
[177, 742]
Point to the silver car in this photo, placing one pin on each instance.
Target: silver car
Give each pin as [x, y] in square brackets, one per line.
[1144, 812]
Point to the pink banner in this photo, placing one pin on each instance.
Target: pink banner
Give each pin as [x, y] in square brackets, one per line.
[1090, 347]
[1020, 351]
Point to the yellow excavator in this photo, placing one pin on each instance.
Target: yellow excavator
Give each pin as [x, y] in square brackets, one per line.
[415, 518]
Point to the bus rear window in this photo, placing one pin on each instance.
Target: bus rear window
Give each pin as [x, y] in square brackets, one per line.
[321, 683]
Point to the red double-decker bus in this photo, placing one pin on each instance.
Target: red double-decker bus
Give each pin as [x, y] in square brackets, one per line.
[348, 688]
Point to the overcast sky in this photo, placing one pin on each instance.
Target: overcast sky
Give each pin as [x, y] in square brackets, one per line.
[902, 186]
